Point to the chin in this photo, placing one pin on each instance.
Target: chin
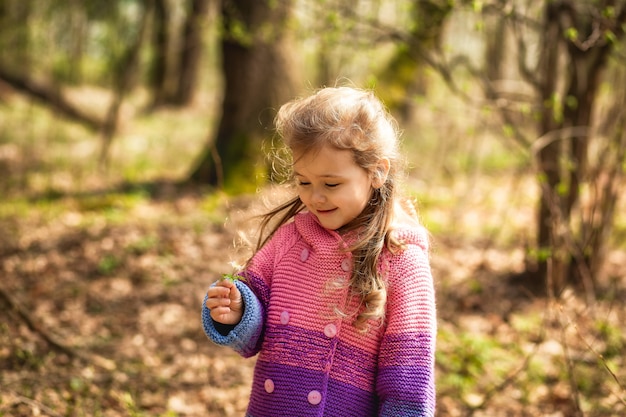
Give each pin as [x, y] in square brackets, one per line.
[329, 226]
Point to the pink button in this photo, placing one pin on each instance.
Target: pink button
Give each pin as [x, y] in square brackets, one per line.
[269, 386]
[284, 317]
[314, 397]
[345, 265]
[330, 330]
[304, 255]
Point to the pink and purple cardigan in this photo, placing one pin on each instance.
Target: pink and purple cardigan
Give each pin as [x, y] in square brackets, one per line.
[313, 362]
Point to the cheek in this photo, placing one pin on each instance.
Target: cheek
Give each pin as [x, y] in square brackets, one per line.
[357, 200]
[365, 198]
[365, 193]
[304, 196]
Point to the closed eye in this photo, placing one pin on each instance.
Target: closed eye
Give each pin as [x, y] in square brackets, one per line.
[332, 185]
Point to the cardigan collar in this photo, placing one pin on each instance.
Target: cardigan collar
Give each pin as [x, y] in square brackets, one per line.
[316, 235]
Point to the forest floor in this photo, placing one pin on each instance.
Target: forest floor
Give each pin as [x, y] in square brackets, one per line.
[100, 316]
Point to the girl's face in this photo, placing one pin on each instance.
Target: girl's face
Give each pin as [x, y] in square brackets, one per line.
[332, 186]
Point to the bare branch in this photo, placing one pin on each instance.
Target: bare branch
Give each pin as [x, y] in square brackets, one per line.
[50, 95]
[19, 398]
[560, 134]
[529, 74]
[52, 341]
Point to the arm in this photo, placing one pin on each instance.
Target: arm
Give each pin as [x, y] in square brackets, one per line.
[244, 335]
[406, 378]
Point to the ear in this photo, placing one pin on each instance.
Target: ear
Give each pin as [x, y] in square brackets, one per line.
[382, 171]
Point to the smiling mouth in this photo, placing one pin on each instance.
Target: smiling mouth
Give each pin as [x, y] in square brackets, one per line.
[326, 211]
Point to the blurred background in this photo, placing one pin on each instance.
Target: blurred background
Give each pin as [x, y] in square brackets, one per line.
[136, 135]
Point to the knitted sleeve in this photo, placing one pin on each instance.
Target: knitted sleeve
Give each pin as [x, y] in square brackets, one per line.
[243, 337]
[247, 336]
[260, 272]
[406, 364]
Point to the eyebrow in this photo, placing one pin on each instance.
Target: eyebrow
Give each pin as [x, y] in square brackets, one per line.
[297, 174]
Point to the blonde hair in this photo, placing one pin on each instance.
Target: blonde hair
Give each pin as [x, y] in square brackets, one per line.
[349, 119]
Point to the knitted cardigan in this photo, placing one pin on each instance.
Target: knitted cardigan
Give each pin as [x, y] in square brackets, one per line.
[314, 362]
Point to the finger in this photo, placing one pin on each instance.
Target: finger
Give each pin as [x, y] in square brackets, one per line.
[234, 292]
[212, 303]
[226, 283]
[218, 292]
[222, 316]
[219, 311]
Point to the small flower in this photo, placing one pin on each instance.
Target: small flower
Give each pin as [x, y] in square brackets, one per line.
[235, 266]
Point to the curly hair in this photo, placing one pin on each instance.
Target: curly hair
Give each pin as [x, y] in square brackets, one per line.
[348, 118]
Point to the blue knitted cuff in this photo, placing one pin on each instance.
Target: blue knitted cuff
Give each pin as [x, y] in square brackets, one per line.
[244, 336]
[393, 408]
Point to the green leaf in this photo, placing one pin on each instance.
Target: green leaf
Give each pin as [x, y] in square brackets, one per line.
[571, 34]
[230, 277]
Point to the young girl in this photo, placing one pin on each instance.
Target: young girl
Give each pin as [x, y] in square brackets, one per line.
[338, 300]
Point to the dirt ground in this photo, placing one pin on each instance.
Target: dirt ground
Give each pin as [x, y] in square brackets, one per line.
[100, 316]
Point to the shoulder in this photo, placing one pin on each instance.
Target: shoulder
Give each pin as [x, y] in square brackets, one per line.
[285, 236]
[411, 258]
[410, 284]
[279, 243]
[412, 235]
[406, 227]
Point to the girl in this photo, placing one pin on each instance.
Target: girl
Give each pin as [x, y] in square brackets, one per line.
[338, 300]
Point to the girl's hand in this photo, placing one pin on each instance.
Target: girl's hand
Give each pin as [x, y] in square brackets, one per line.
[225, 302]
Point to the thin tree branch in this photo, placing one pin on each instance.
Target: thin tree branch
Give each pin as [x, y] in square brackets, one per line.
[559, 134]
[51, 340]
[15, 306]
[50, 95]
[124, 81]
[19, 398]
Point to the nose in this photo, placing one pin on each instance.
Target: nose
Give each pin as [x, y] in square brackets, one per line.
[318, 196]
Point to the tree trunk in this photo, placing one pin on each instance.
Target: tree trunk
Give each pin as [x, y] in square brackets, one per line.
[161, 40]
[407, 68]
[125, 78]
[191, 51]
[606, 180]
[14, 27]
[548, 156]
[586, 75]
[78, 26]
[495, 50]
[573, 59]
[258, 79]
